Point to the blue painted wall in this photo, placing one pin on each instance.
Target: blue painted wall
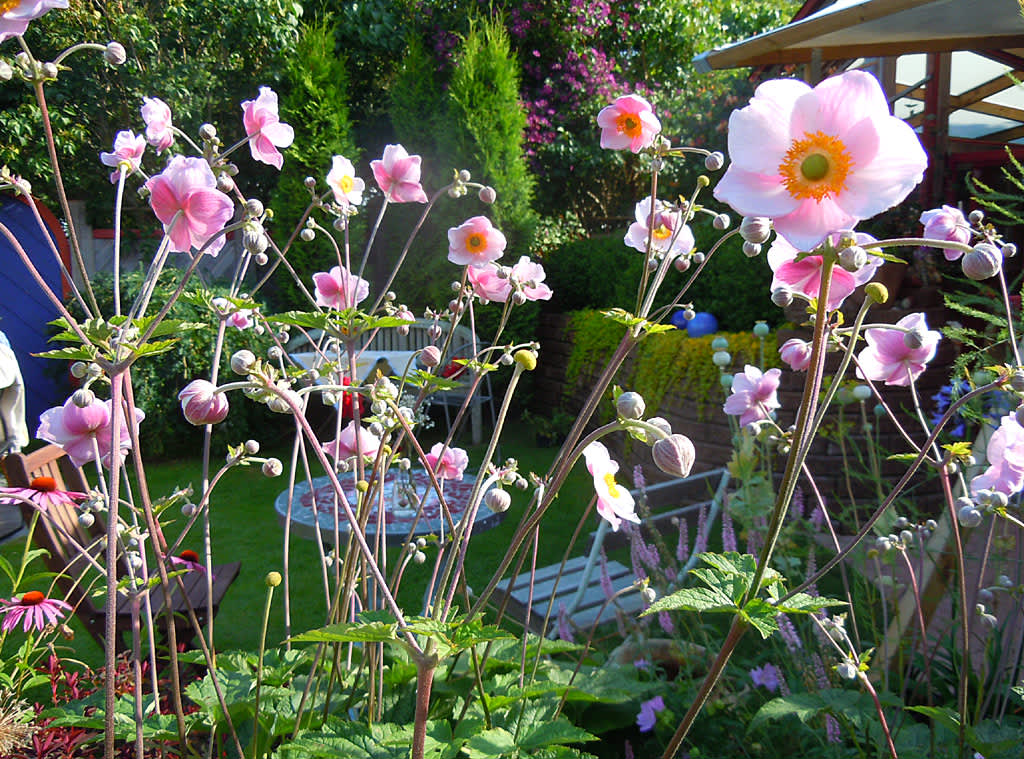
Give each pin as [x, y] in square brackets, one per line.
[25, 311]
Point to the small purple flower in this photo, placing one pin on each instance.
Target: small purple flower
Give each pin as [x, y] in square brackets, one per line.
[754, 394]
[642, 663]
[648, 715]
[767, 676]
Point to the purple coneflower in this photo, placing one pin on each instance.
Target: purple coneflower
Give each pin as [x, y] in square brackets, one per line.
[43, 492]
[35, 608]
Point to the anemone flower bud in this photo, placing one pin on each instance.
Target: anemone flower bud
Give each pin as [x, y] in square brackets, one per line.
[273, 467]
[202, 404]
[674, 455]
[497, 500]
[878, 292]
[242, 362]
[782, 296]
[115, 53]
[796, 353]
[488, 195]
[714, 161]
[430, 356]
[853, 258]
[755, 229]
[630, 405]
[982, 262]
[83, 397]
[661, 423]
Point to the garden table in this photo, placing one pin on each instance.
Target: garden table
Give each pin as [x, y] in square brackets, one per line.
[310, 506]
[365, 363]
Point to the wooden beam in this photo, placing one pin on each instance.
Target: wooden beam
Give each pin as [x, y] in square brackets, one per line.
[989, 109]
[1005, 135]
[982, 91]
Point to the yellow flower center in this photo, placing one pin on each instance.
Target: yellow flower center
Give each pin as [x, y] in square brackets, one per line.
[345, 184]
[661, 232]
[629, 125]
[816, 167]
[613, 488]
[476, 242]
[8, 5]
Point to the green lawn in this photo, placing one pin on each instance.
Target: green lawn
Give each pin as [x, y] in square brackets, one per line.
[245, 528]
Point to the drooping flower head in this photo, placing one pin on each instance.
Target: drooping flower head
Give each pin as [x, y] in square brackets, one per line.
[629, 122]
[819, 160]
[475, 242]
[668, 233]
[264, 128]
[448, 463]
[74, 429]
[528, 278]
[342, 179]
[648, 716]
[35, 609]
[398, 176]
[488, 284]
[754, 394]
[354, 439]
[188, 186]
[804, 276]
[339, 289]
[15, 14]
[796, 353]
[895, 357]
[43, 492]
[159, 130]
[128, 150]
[240, 319]
[947, 223]
[614, 502]
[1005, 454]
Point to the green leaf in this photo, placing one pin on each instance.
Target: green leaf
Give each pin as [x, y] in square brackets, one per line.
[761, 615]
[942, 715]
[364, 631]
[694, 599]
[803, 706]
[490, 743]
[801, 603]
[551, 733]
[81, 353]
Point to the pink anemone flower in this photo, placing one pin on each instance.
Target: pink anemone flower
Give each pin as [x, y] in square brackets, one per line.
[201, 403]
[447, 463]
[629, 122]
[264, 128]
[43, 493]
[342, 179]
[186, 199]
[240, 319]
[81, 431]
[352, 440]
[1005, 454]
[947, 223]
[528, 276]
[339, 289]
[159, 130]
[754, 394]
[35, 609]
[893, 356]
[15, 15]
[804, 276]
[796, 353]
[475, 242]
[819, 160]
[398, 176]
[668, 234]
[488, 284]
[128, 151]
[614, 502]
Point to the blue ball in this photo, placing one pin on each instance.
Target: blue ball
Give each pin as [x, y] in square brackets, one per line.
[702, 324]
[678, 320]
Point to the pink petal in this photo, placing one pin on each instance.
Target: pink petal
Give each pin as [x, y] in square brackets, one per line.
[753, 194]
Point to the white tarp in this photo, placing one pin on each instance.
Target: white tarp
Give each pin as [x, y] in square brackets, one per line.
[13, 430]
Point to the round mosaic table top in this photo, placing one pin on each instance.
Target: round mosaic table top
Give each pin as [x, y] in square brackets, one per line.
[309, 507]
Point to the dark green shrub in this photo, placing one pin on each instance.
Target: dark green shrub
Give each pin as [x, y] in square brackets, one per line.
[156, 380]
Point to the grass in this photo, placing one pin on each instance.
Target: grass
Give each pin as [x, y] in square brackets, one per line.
[245, 527]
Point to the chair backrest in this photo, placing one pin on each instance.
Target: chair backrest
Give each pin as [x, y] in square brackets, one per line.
[61, 520]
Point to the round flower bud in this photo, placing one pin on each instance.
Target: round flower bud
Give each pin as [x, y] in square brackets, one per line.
[207, 132]
[721, 358]
[253, 208]
[755, 229]
[1009, 250]
[307, 234]
[796, 353]
[497, 500]
[914, 338]
[982, 262]
[50, 70]
[225, 183]
[83, 398]
[969, 516]
[252, 447]
[242, 362]
[1019, 415]
[649, 595]
[630, 406]
[782, 296]
[86, 519]
[751, 249]
[273, 579]
[720, 343]
[1017, 381]
[201, 404]
[115, 54]
[761, 329]
[674, 455]
[861, 392]
[721, 221]
[986, 596]
[526, 359]
[847, 670]
[689, 314]
[79, 369]
[906, 537]
[714, 161]
[419, 557]
[681, 263]
[487, 195]
[430, 356]
[273, 468]
[976, 216]
[661, 424]
[877, 292]
[853, 258]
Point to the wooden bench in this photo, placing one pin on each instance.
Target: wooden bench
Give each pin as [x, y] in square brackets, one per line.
[579, 589]
[59, 526]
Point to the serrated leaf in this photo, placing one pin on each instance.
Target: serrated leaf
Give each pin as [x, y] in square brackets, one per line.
[490, 743]
[351, 632]
[79, 353]
[693, 599]
[553, 733]
[801, 603]
[761, 615]
[803, 706]
[156, 347]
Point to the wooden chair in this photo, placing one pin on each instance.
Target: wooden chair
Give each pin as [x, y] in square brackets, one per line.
[60, 525]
